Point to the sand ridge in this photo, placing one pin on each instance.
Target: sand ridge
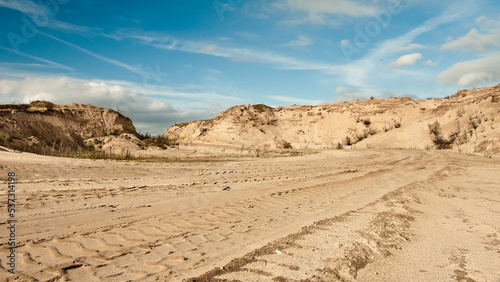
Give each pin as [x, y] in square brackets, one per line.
[467, 120]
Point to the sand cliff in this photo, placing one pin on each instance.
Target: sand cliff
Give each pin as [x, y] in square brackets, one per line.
[467, 120]
[45, 125]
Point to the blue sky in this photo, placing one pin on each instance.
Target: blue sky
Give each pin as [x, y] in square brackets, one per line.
[164, 62]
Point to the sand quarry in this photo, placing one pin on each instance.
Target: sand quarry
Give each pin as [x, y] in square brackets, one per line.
[348, 215]
[363, 194]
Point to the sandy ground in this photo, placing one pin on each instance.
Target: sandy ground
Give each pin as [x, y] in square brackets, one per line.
[351, 215]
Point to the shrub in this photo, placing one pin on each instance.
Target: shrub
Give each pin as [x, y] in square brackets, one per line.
[159, 140]
[348, 141]
[286, 145]
[437, 136]
[42, 104]
[397, 124]
[365, 121]
[261, 107]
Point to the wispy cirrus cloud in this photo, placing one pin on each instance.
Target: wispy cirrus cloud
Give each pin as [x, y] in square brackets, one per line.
[410, 47]
[338, 7]
[128, 67]
[302, 42]
[358, 73]
[236, 54]
[450, 14]
[44, 16]
[324, 12]
[26, 7]
[51, 63]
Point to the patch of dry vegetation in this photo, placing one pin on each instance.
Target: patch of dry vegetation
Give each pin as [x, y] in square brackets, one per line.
[437, 137]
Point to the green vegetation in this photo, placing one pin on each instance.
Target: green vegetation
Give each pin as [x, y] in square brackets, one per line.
[182, 124]
[159, 141]
[262, 108]
[42, 104]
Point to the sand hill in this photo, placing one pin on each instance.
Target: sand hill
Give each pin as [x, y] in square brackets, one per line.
[40, 125]
[465, 121]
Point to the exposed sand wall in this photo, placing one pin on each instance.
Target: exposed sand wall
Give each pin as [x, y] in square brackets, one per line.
[469, 115]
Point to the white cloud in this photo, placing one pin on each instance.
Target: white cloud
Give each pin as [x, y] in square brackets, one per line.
[486, 22]
[210, 48]
[344, 90]
[342, 7]
[406, 60]
[359, 73]
[472, 73]
[350, 94]
[25, 7]
[481, 19]
[293, 100]
[51, 63]
[62, 90]
[474, 78]
[410, 47]
[451, 14]
[430, 63]
[349, 97]
[325, 12]
[475, 41]
[44, 16]
[248, 35]
[302, 42]
[139, 71]
[234, 53]
[345, 42]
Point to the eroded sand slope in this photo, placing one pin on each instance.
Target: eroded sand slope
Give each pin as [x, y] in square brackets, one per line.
[469, 116]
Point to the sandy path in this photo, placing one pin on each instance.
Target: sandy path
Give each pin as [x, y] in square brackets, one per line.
[88, 220]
